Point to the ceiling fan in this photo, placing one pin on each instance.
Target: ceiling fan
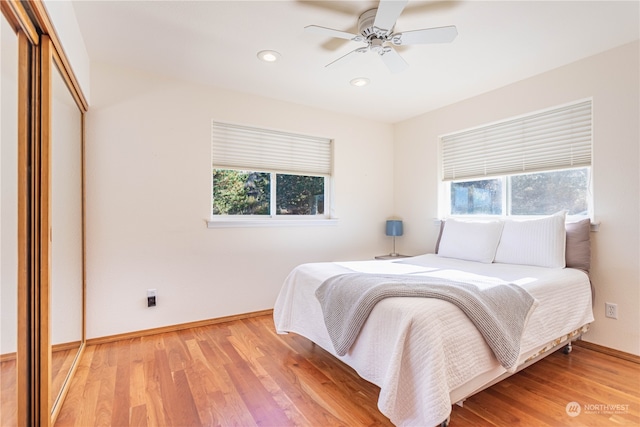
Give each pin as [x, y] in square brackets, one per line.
[376, 31]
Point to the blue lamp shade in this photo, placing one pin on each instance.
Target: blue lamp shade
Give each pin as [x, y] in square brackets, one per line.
[394, 227]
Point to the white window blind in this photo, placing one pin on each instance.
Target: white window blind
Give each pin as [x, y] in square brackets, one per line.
[554, 139]
[247, 148]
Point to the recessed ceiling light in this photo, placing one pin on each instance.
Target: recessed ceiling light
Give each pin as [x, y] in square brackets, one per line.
[359, 82]
[268, 55]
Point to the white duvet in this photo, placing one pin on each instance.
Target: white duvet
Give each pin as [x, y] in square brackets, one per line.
[425, 354]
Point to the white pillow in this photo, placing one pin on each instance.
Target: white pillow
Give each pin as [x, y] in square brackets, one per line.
[470, 240]
[538, 242]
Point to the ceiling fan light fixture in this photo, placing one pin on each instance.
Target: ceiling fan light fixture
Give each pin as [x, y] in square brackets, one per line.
[360, 82]
[376, 29]
[269, 55]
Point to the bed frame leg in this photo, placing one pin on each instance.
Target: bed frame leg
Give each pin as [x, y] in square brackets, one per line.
[567, 348]
[445, 423]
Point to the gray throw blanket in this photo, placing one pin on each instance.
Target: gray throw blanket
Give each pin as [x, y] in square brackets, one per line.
[499, 312]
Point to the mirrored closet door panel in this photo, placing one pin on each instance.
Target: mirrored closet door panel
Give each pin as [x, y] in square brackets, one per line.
[41, 217]
[67, 273]
[8, 223]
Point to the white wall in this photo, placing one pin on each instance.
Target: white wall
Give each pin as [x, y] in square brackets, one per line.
[63, 18]
[611, 78]
[148, 195]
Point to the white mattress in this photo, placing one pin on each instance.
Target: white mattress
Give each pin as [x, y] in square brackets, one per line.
[425, 354]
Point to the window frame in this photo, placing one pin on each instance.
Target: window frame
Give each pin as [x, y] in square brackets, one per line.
[278, 219]
[444, 205]
[273, 219]
[445, 178]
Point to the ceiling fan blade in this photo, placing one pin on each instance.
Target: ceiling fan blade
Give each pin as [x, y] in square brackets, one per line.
[427, 35]
[394, 62]
[348, 57]
[329, 32]
[388, 13]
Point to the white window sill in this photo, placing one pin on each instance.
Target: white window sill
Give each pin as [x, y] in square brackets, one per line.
[271, 222]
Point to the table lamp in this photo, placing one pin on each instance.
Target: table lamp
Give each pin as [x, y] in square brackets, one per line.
[394, 228]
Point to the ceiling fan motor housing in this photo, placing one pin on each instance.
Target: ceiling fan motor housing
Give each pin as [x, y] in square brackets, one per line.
[366, 28]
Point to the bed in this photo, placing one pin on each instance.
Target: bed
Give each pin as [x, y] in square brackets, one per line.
[426, 354]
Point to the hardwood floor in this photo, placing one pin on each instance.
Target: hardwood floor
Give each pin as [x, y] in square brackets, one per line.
[61, 361]
[242, 373]
[8, 393]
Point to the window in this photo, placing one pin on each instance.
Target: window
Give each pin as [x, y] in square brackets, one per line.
[238, 192]
[261, 174]
[533, 165]
[542, 193]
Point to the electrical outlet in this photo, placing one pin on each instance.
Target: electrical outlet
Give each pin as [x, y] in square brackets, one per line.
[611, 310]
[151, 297]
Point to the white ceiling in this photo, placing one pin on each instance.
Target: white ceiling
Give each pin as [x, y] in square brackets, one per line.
[216, 42]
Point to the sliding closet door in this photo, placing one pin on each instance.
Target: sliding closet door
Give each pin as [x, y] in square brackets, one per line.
[18, 369]
[41, 217]
[8, 224]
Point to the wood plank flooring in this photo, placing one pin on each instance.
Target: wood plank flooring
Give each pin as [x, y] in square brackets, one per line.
[242, 373]
[61, 361]
[8, 392]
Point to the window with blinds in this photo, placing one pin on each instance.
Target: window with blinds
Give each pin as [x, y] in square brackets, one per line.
[554, 139]
[242, 147]
[532, 165]
[260, 172]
